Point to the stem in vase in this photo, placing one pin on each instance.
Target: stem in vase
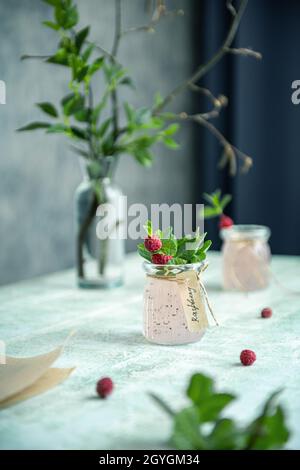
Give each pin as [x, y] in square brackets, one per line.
[82, 234]
[104, 246]
[103, 255]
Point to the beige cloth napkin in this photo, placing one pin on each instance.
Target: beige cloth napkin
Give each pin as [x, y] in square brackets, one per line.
[22, 378]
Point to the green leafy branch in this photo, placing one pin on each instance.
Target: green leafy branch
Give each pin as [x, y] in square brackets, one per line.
[137, 137]
[79, 115]
[202, 425]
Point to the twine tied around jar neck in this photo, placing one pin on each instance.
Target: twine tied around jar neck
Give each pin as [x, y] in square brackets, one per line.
[170, 275]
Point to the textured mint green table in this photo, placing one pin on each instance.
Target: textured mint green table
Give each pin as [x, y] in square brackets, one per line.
[38, 315]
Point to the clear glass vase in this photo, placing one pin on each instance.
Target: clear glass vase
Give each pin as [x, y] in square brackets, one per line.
[100, 261]
[165, 320]
[246, 257]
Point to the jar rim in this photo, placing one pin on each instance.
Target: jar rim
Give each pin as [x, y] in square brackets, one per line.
[246, 232]
[173, 268]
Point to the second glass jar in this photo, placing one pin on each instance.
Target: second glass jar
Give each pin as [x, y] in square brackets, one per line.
[246, 257]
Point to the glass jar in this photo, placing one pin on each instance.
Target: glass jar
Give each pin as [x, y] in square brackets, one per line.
[100, 262]
[165, 320]
[246, 257]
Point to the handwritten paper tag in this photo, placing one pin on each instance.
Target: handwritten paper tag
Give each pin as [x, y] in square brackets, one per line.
[193, 301]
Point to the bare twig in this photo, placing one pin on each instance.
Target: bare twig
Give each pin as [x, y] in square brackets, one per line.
[118, 32]
[231, 153]
[245, 52]
[103, 51]
[90, 141]
[146, 28]
[213, 113]
[230, 7]
[114, 52]
[218, 102]
[205, 68]
[204, 91]
[159, 12]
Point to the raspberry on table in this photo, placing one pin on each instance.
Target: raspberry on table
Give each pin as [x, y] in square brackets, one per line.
[104, 387]
[247, 357]
[266, 312]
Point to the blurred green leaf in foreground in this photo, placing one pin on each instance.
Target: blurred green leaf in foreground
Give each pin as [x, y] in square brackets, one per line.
[202, 426]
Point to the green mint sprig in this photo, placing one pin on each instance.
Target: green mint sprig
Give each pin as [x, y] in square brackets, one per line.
[187, 250]
[202, 426]
[217, 204]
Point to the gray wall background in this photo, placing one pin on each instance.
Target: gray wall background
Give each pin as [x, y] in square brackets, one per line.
[39, 173]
